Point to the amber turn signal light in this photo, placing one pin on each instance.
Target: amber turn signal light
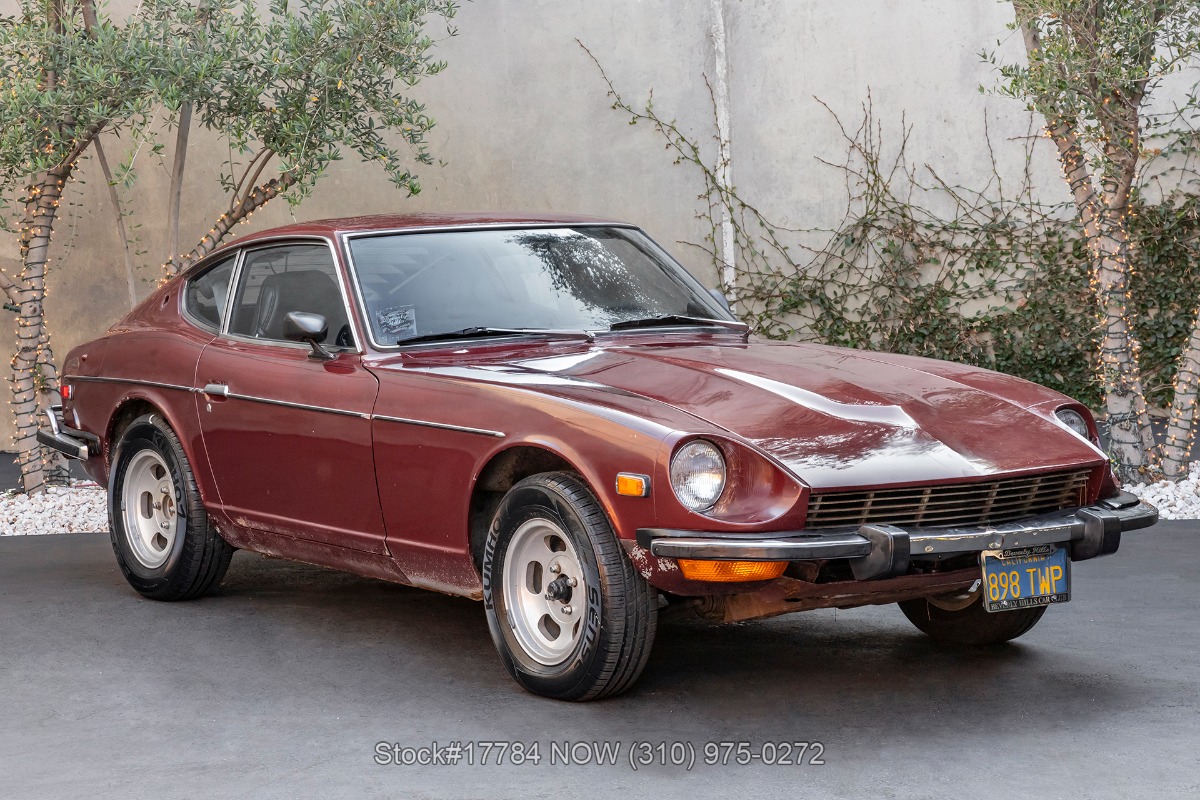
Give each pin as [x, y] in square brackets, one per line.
[731, 571]
[632, 485]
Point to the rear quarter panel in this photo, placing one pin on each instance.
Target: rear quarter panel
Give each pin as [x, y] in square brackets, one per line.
[150, 356]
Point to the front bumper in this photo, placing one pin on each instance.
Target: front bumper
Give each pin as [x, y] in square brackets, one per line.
[883, 551]
[68, 441]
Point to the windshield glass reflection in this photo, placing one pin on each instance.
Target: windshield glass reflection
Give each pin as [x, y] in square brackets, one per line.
[585, 278]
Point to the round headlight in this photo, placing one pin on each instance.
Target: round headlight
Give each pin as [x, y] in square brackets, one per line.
[698, 474]
[1075, 421]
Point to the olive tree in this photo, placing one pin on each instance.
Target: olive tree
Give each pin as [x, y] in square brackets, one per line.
[67, 74]
[1091, 67]
[288, 87]
[291, 89]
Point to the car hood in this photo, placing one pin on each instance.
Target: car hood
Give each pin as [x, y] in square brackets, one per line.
[840, 418]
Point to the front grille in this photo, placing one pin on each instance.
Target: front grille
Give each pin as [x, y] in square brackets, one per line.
[950, 504]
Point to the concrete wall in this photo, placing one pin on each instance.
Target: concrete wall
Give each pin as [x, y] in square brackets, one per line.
[524, 124]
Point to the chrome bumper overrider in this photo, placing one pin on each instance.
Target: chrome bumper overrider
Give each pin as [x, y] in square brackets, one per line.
[68, 441]
[878, 551]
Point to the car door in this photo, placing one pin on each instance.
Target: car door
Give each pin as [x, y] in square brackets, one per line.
[288, 435]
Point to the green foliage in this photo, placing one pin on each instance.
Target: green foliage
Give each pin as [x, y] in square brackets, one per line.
[1165, 286]
[309, 78]
[1094, 62]
[62, 76]
[1000, 281]
[302, 79]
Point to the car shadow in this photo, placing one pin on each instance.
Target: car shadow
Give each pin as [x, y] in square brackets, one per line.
[808, 672]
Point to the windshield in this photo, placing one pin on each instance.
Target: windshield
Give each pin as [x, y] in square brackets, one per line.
[585, 278]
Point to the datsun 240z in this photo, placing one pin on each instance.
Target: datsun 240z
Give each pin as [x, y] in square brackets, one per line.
[549, 414]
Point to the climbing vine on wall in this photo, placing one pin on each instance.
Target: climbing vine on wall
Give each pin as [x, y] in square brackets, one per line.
[989, 276]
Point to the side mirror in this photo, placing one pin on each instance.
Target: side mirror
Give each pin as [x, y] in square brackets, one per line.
[721, 298]
[300, 326]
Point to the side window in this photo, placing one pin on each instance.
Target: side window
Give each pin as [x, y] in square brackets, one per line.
[278, 280]
[207, 294]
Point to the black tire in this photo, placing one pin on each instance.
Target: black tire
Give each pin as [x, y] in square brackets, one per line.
[195, 560]
[970, 624]
[617, 612]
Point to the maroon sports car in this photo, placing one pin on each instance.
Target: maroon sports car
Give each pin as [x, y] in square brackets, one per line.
[549, 414]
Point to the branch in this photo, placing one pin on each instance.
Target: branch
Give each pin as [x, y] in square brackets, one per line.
[254, 200]
[177, 169]
[236, 196]
[1126, 157]
[1070, 149]
[120, 220]
[81, 144]
[10, 288]
[88, 11]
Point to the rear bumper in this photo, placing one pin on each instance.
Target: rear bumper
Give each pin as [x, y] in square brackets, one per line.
[881, 551]
[68, 441]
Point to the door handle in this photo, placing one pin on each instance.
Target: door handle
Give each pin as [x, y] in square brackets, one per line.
[216, 390]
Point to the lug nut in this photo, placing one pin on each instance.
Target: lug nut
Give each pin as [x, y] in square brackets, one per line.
[574, 583]
[567, 609]
[555, 569]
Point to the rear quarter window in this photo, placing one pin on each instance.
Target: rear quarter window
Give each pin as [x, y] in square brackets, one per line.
[206, 298]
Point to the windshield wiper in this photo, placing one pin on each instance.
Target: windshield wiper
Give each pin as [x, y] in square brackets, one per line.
[483, 332]
[678, 319]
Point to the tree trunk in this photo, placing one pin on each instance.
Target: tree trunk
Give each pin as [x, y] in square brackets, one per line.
[1131, 438]
[34, 380]
[1180, 427]
[177, 170]
[1102, 215]
[1132, 441]
[119, 218]
[721, 106]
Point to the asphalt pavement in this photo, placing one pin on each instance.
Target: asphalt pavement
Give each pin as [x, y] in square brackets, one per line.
[284, 683]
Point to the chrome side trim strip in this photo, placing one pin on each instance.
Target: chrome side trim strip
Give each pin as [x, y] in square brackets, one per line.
[289, 404]
[441, 425]
[221, 390]
[134, 381]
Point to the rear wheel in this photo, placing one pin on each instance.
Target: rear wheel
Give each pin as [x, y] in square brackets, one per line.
[165, 545]
[962, 619]
[571, 617]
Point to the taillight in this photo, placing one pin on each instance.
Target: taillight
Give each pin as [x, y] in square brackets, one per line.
[67, 391]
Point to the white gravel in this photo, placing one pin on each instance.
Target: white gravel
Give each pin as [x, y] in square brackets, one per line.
[1173, 500]
[83, 508]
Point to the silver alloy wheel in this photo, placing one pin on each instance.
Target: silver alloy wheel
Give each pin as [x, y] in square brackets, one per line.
[544, 591]
[148, 509]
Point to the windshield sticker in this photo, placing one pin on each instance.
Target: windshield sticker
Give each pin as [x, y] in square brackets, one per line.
[398, 321]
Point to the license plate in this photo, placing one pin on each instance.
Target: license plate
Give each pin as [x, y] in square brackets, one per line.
[1025, 577]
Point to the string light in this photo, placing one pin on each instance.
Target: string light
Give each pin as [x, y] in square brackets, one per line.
[1104, 231]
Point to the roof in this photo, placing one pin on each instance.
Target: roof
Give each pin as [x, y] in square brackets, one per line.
[330, 227]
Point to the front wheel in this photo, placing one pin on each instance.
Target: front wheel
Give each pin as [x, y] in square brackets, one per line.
[571, 617]
[165, 545]
[962, 619]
